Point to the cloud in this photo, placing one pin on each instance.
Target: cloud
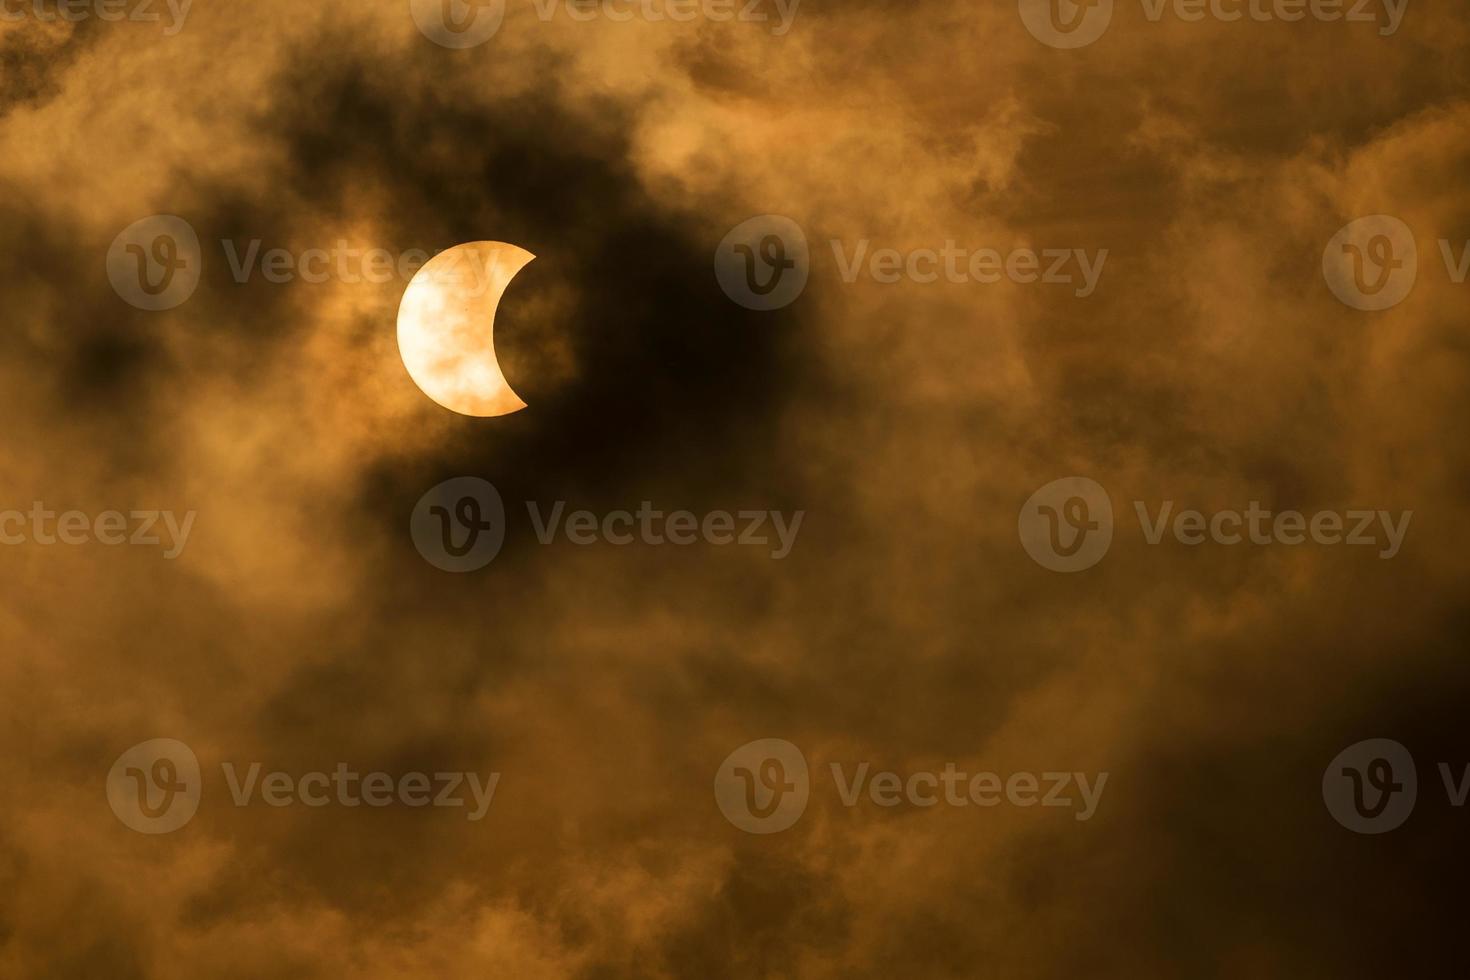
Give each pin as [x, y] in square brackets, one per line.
[300, 629]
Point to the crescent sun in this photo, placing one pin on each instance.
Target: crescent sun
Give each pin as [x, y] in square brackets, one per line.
[446, 327]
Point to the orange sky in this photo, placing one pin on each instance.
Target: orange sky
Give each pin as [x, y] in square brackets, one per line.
[909, 421]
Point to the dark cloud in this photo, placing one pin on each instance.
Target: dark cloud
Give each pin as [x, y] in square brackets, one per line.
[300, 629]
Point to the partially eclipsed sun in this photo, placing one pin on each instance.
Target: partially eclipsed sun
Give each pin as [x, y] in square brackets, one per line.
[446, 327]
